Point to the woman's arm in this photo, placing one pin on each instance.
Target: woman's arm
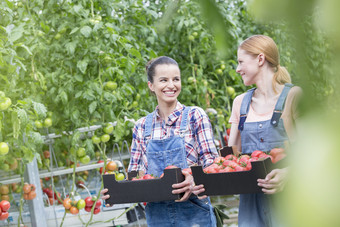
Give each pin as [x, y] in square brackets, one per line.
[235, 137]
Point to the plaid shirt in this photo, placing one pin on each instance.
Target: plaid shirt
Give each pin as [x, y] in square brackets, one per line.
[199, 143]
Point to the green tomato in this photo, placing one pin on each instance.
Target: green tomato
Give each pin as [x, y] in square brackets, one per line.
[5, 104]
[111, 85]
[223, 66]
[230, 91]
[191, 37]
[219, 71]
[205, 83]
[97, 154]
[104, 138]
[3, 148]
[119, 176]
[85, 160]
[195, 34]
[108, 129]
[138, 97]
[134, 104]
[57, 36]
[95, 139]
[5, 167]
[38, 124]
[48, 122]
[81, 152]
[81, 204]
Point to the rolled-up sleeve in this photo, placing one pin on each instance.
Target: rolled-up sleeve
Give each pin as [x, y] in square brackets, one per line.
[136, 160]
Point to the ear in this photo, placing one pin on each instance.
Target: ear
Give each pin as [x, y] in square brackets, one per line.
[150, 86]
[261, 59]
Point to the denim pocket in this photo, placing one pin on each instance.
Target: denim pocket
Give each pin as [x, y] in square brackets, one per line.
[203, 204]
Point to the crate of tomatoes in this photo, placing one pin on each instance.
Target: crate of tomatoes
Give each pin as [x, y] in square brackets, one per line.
[237, 174]
[146, 188]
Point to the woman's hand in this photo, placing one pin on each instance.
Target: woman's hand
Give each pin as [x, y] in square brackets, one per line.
[198, 189]
[184, 187]
[274, 181]
[104, 197]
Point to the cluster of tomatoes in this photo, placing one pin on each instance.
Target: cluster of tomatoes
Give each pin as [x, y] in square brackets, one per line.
[151, 176]
[52, 196]
[112, 168]
[90, 202]
[74, 207]
[231, 163]
[29, 191]
[105, 137]
[4, 207]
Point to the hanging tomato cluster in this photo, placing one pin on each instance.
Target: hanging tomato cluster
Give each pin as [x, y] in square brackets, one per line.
[29, 191]
[4, 207]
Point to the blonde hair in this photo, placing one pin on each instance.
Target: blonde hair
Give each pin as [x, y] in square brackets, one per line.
[257, 44]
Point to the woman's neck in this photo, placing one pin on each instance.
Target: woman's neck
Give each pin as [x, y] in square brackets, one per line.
[265, 85]
[165, 109]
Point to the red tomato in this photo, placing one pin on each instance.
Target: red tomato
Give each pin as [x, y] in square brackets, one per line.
[226, 163]
[228, 131]
[188, 170]
[230, 157]
[32, 195]
[96, 210]
[74, 210]
[243, 160]
[112, 166]
[256, 153]
[240, 168]
[253, 159]
[89, 202]
[148, 177]
[101, 168]
[5, 205]
[171, 167]
[219, 160]
[4, 215]
[98, 204]
[27, 188]
[88, 209]
[67, 203]
[0, 210]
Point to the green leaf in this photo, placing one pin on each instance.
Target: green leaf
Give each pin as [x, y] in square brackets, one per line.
[82, 65]
[74, 30]
[92, 107]
[86, 31]
[40, 109]
[23, 117]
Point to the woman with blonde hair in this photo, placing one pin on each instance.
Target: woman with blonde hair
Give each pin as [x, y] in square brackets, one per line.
[263, 118]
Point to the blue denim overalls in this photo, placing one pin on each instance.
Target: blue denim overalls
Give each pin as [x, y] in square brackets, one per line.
[171, 151]
[255, 209]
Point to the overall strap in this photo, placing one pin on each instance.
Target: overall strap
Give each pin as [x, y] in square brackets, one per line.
[184, 118]
[245, 108]
[148, 124]
[280, 104]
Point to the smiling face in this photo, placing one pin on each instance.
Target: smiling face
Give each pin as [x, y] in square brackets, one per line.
[166, 83]
[248, 67]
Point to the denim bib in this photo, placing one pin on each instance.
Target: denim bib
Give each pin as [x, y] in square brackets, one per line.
[171, 151]
[255, 209]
